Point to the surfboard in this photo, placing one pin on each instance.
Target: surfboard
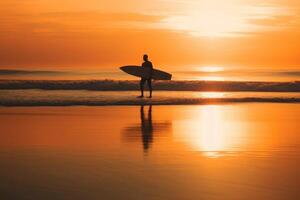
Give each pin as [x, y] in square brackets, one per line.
[144, 72]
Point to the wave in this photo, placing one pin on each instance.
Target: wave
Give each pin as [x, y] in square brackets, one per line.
[102, 98]
[129, 85]
[5, 72]
[236, 72]
[253, 73]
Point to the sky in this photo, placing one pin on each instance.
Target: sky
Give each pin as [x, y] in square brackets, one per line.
[177, 34]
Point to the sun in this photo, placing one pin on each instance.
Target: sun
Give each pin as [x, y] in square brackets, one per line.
[211, 19]
[216, 18]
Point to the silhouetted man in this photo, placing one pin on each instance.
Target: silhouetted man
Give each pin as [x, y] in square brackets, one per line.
[147, 64]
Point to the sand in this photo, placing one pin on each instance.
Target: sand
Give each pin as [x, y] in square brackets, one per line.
[233, 151]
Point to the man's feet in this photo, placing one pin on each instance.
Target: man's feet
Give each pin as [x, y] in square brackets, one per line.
[150, 96]
[142, 96]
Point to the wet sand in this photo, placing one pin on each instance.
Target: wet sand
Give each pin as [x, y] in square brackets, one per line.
[234, 151]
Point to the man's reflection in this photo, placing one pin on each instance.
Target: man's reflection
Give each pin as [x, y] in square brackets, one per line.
[146, 129]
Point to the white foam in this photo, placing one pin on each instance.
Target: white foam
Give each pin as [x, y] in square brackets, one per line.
[100, 98]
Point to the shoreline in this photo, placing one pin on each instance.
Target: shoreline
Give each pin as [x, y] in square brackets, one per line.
[147, 103]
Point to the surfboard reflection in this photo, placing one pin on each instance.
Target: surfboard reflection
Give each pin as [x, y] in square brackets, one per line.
[146, 130]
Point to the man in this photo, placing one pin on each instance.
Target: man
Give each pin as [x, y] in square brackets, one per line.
[147, 64]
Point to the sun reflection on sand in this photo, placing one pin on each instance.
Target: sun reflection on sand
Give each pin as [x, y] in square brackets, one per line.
[211, 137]
[211, 133]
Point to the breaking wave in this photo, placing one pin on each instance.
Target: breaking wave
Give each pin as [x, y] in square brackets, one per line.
[130, 85]
[102, 98]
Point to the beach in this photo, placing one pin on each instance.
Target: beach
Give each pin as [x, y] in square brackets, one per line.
[214, 151]
[149, 100]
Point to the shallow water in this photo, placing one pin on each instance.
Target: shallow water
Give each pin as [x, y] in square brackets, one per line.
[240, 151]
[35, 97]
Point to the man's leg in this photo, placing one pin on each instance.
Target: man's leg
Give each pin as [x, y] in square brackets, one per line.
[142, 87]
[149, 81]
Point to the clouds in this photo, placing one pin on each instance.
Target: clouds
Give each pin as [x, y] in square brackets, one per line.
[200, 18]
[101, 33]
[221, 19]
[75, 21]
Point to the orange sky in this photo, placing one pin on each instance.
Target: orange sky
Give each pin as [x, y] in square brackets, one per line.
[100, 34]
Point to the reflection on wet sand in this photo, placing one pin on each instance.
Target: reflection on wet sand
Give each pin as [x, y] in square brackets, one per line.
[214, 131]
[239, 151]
[146, 129]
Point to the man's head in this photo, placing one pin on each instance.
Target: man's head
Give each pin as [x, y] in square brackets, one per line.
[145, 57]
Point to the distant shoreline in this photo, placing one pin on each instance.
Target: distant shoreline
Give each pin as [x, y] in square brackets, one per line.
[132, 85]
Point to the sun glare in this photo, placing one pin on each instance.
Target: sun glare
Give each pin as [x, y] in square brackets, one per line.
[210, 19]
[211, 69]
[211, 138]
[216, 18]
[211, 132]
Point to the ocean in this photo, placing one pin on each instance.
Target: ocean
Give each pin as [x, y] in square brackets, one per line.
[90, 87]
[283, 74]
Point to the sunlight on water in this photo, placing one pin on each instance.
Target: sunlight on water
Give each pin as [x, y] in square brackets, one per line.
[212, 94]
[210, 78]
[211, 69]
[211, 133]
[211, 138]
